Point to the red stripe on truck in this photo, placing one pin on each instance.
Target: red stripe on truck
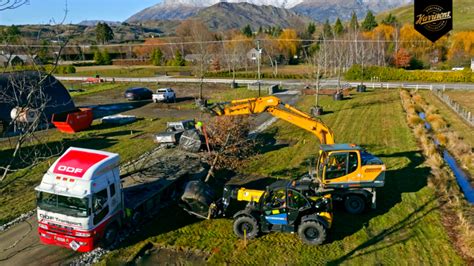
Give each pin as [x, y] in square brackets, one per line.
[75, 163]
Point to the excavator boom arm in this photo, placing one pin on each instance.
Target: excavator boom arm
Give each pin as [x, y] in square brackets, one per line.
[275, 107]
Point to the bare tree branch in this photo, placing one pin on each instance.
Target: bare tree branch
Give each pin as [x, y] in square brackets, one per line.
[12, 4]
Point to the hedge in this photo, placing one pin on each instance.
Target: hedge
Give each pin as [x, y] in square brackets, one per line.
[397, 74]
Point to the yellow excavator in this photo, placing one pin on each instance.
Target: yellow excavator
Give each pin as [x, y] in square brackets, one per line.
[346, 171]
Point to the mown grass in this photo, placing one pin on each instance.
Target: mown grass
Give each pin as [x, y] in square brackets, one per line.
[17, 190]
[404, 229]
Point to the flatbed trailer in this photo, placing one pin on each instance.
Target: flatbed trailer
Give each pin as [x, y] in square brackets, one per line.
[83, 201]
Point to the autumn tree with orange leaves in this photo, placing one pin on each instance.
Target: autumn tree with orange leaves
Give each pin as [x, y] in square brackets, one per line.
[401, 58]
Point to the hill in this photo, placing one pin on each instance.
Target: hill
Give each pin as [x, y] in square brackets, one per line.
[224, 16]
[463, 11]
[321, 10]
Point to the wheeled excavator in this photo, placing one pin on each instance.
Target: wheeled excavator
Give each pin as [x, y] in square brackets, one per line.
[342, 172]
[347, 171]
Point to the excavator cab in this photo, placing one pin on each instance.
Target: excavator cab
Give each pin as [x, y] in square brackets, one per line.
[347, 166]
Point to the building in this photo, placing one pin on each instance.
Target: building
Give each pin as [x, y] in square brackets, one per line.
[16, 87]
[18, 60]
[252, 54]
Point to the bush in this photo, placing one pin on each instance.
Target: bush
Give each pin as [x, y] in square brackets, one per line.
[388, 74]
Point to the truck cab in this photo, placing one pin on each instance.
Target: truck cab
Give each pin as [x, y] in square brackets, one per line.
[79, 200]
[164, 95]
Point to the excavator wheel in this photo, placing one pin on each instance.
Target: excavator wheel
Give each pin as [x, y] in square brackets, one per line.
[354, 204]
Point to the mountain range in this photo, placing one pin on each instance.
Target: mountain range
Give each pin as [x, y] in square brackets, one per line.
[319, 10]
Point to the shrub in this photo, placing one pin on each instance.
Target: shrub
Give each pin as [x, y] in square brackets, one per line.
[356, 72]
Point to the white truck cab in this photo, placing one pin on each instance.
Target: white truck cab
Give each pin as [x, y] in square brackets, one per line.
[79, 199]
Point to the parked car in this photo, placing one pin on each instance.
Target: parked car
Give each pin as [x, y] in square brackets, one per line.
[164, 95]
[138, 94]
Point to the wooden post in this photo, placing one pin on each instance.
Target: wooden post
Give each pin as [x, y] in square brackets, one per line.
[245, 237]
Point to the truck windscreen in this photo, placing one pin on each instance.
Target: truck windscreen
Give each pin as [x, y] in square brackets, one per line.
[71, 206]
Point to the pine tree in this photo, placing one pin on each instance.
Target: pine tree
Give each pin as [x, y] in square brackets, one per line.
[390, 20]
[247, 31]
[99, 60]
[369, 22]
[354, 24]
[106, 60]
[338, 28]
[156, 57]
[327, 30]
[311, 29]
[178, 59]
[103, 33]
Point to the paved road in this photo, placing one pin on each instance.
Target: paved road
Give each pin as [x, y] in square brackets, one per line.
[296, 83]
[20, 245]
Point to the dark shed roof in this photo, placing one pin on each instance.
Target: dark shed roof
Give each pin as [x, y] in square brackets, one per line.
[11, 84]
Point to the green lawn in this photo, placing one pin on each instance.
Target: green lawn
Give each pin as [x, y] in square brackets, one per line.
[404, 229]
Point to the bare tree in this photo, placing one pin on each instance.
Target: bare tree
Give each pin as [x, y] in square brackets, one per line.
[25, 93]
[12, 4]
[201, 47]
[229, 142]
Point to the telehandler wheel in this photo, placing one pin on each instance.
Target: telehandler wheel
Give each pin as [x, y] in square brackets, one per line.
[354, 204]
[110, 235]
[312, 232]
[246, 225]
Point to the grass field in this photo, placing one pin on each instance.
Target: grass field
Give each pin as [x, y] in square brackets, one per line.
[404, 229]
[132, 71]
[464, 97]
[151, 71]
[455, 122]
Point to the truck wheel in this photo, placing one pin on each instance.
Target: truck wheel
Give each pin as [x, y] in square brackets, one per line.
[2, 127]
[246, 225]
[312, 232]
[110, 235]
[354, 204]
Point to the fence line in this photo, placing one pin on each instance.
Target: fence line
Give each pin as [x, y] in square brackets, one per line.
[456, 107]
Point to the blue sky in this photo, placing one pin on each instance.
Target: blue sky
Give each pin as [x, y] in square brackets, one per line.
[43, 11]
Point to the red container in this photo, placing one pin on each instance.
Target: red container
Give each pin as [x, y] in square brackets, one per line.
[73, 121]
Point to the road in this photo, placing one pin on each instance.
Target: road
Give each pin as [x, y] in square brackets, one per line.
[20, 244]
[289, 83]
